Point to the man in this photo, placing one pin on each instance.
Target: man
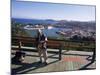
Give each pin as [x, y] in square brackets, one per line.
[42, 46]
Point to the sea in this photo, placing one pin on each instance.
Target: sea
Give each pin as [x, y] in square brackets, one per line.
[51, 33]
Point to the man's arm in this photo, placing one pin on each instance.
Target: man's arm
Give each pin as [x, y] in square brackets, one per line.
[45, 40]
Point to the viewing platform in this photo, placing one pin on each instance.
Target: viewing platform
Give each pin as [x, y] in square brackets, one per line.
[71, 61]
[60, 56]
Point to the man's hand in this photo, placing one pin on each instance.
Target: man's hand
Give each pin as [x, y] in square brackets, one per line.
[42, 41]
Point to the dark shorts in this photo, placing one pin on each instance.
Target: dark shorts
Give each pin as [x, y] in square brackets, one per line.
[42, 46]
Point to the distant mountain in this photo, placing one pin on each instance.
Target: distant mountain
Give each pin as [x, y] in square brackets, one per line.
[60, 23]
[34, 21]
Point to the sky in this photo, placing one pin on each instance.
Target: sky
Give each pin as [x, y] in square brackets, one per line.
[40, 10]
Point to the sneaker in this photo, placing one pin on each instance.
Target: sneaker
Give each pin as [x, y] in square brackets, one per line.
[45, 63]
[40, 62]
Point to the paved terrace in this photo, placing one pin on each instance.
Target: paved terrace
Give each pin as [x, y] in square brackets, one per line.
[71, 60]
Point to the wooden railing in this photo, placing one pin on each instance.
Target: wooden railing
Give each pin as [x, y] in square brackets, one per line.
[54, 44]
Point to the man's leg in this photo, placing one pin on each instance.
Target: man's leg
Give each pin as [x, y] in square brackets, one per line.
[40, 54]
[45, 56]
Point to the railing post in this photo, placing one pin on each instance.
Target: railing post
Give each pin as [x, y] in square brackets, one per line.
[94, 55]
[19, 45]
[60, 52]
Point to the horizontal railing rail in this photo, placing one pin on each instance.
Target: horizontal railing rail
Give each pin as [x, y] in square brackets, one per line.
[55, 42]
